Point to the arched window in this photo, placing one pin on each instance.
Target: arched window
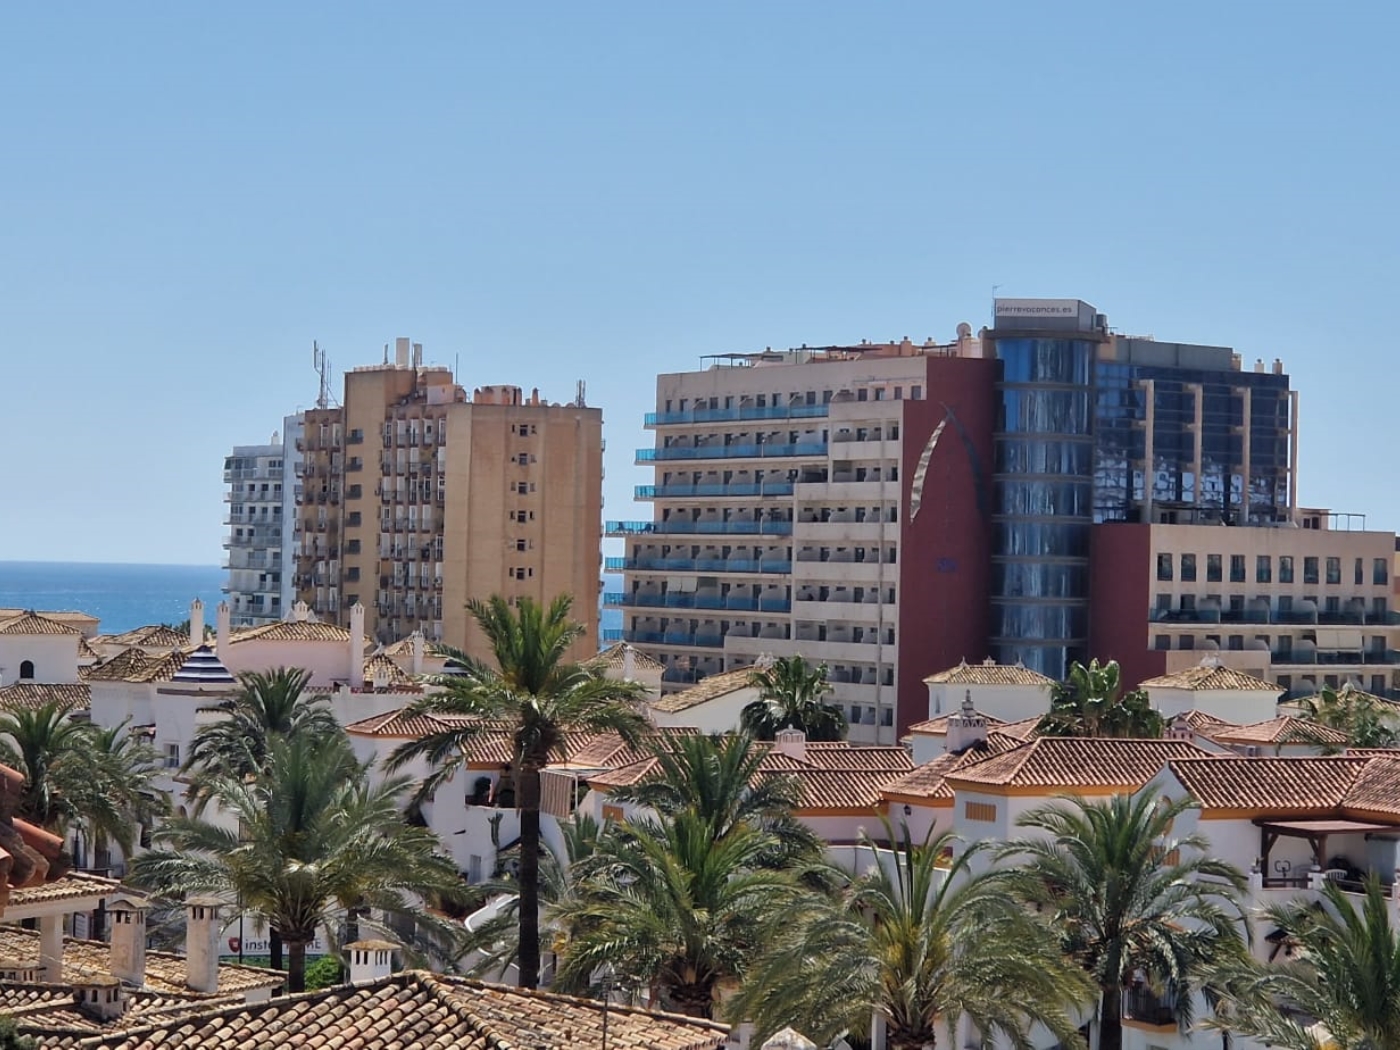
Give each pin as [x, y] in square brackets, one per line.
[26, 669]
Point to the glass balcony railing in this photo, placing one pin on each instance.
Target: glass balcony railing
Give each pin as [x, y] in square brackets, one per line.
[698, 565]
[612, 634]
[688, 600]
[710, 640]
[764, 488]
[681, 527]
[649, 455]
[1278, 617]
[729, 415]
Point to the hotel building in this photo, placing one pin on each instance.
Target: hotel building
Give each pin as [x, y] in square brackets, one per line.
[259, 513]
[417, 496]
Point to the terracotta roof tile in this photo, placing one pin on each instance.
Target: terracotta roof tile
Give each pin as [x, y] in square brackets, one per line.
[116, 669]
[86, 651]
[33, 623]
[988, 674]
[152, 636]
[614, 657]
[68, 616]
[710, 688]
[293, 631]
[75, 885]
[1022, 730]
[418, 1011]
[929, 780]
[1071, 762]
[74, 696]
[1213, 677]
[939, 726]
[1202, 721]
[1286, 729]
[161, 668]
[1307, 784]
[381, 665]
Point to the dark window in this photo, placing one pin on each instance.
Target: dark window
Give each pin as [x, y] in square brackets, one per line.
[1309, 570]
[1360, 576]
[26, 669]
[1263, 569]
[1188, 568]
[1380, 571]
[1237, 568]
[1164, 566]
[1213, 568]
[1162, 641]
[1285, 568]
[1334, 571]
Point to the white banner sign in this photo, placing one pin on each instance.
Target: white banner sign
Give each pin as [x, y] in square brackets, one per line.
[1037, 308]
[260, 944]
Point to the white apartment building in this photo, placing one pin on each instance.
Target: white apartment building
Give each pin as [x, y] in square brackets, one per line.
[776, 519]
[261, 483]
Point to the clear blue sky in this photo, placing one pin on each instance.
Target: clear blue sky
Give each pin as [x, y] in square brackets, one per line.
[192, 193]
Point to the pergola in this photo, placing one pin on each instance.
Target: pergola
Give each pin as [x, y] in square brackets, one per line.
[1315, 831]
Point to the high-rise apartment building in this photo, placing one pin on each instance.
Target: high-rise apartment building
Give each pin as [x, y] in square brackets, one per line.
[889, 509]
[417, 497]
[258, 500]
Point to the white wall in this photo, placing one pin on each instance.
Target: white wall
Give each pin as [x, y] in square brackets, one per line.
[55, 657]
[718, 715]
[328, 662]
[1240, 706]
[1010, 703]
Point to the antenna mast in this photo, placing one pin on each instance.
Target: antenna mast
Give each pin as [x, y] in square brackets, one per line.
[322, 364]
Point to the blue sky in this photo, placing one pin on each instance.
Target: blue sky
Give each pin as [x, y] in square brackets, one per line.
[193, 193]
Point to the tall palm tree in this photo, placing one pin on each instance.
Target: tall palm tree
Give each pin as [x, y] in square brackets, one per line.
[1092, 702]
[77, 774]
[1345, 973]
[919, 941]
[267, 705]
[312, 840]
[719, 779]
[1129, 897]
[543, 699]
[671, 908]
[790, 697]
[1366, 720]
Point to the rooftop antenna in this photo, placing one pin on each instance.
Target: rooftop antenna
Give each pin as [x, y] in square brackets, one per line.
[579, 399]
[322, 364]
[995, 287]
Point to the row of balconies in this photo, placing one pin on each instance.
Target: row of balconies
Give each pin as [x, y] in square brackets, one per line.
[746, 451]
[734, 414]
[746, 565]
[1355, 616]
[714, 490]
[680, 526]
[691, 600]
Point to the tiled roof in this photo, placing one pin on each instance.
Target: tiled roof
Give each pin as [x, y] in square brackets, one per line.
[716, 685]
[819, 789]
[420, 1011]
[73, 886]
[293, 631]
[842, 755]
[33, 623]
[610, 751]
[1308, 784]
[1202, 721]
[1022, 730]
[50, 1012]
[74, 696]
[68, 616]
[928, 780]
[939, 726]
[160, 668]
[1211, 676]
[153, 636]
[166, 972]
[1071, 762]
[1286, 729]
[988, 673]
[125, 663]
[379, 664]
[614, 657]
[86, 651]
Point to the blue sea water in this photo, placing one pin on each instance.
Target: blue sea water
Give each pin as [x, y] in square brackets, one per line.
[121, 596]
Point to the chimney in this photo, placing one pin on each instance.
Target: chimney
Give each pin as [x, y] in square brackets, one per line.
[356, 668]
[629, 663]
[202, 929]
[791, 742]
[222, 620]
[100, 996]
[417, 648]
[128, 922]
[301, 612]
[1180, 729]
[966, 729]
[196, 622]
[370, 960]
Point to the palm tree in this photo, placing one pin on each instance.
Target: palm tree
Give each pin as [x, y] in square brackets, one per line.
[919, 941]
[544, 701]
[75, 773]
[671, 908]
[790, 697]
[1345, 973]
[1367, 721]
[268, 705]
[1128, 897]
[1092, 703]
[720, 780]
[309, 840]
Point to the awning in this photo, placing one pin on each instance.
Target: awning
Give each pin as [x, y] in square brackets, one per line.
[1323, 827]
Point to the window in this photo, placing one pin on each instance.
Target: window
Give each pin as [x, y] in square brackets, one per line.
[1188, 568]
[172, 756]
[1309, 570]
[1285, 568]
[26, 669]
[983, 811]
[1360, 574]
[474, 868]
[1380, 571]
[1213, 568]
[1162, 641]
[1334, 571]
[916, 393]
[520, 545]
[1263, 569]
[1164, 566]
[523, 459]
[1237, 568]
[887, 716]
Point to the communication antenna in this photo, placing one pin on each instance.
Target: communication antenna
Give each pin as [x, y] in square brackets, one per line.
[322, 364]
[579, 397]
[995, 289]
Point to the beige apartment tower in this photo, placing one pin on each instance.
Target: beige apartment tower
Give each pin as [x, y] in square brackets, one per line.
[417, 497]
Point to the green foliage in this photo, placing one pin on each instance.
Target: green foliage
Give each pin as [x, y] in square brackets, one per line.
[1127, 896]
[78, 774]
[324, 972]
[919, 944]
[313, 838]
[10, 1037]
[790, 697]
[1092, 703]
[1366, 720]
[543, 699]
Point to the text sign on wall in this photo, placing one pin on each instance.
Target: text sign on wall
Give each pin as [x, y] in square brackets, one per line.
[1037, 308]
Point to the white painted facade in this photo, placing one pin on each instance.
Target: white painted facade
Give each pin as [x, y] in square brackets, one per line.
[39, 658]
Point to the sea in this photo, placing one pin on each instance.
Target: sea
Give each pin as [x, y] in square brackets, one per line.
[121, 596]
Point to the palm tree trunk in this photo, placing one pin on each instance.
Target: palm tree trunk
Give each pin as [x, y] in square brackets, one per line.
[528, 797]
[274, 947]
[296, 966]
[1111, 1018]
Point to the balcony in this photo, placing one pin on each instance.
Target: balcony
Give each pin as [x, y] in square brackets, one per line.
[701, 639]
[730, 415]
[714, 491]
[707, 565]
[1143, 1005]
[1274, 617]
[651, 455]
[689, 600]
[686, 528]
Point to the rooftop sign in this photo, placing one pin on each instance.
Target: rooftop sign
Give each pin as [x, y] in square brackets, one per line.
[1037, 307]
